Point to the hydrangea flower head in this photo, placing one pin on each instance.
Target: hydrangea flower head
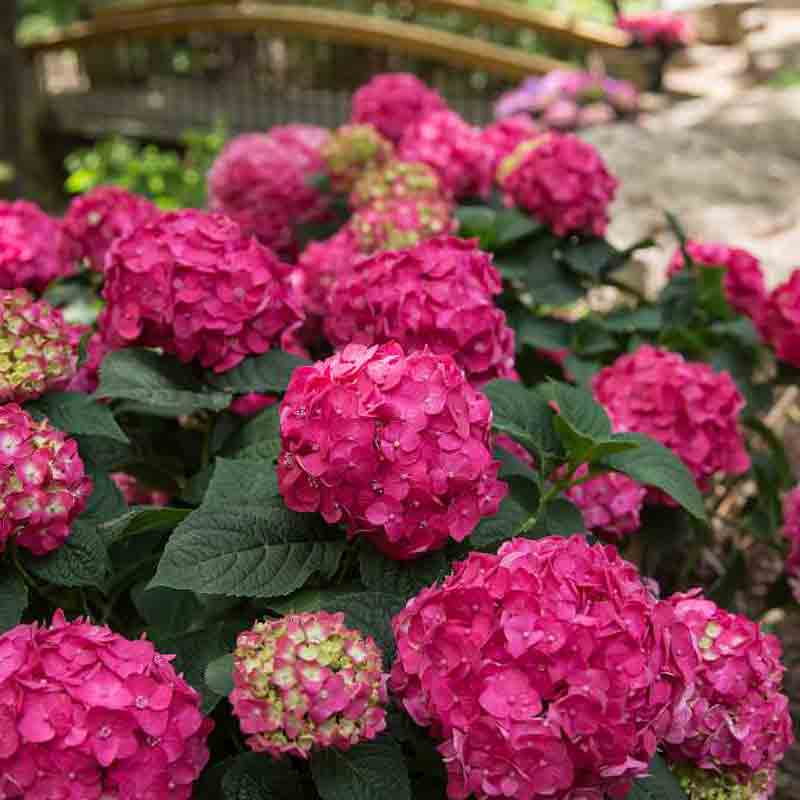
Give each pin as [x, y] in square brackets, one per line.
[610, 503]
[393, 446]
[779, 320]
[659, 29]
[452, 147]
[262, 182]
[136, 493]
[744, 281]
[31, 250]
[685, 405]
[43, 485]
[394, 224]
[307, 140]
[38, 350]
[705, 784]
[397, 180]
[501, 138]
[94, 220]
[90, 714]
[562, 181]
[791, 530]
[393, 101]
[545, 670]
[438, 294]
[306, 682]
[738, 719]
[195, 285]
[353, 150]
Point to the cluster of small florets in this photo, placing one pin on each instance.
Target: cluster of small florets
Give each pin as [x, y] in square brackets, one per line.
[454, 149]
[94, 220]
[393, 446]
[611, 503]
[791, 530]
[395, 224]
[779, 320]
[305, 682]
[502, 138]
[685, 405]
[560, 180]
[303, 140]
[38, 350]
[658, 30]
[705, 784]
[43, 486]
[438, 294]
[353, 150]
[397, 180]
[738, 721]
[262, 182]
[136, 493]
[547, 670]
[31, 252]
[88, 714]
[743, 281]
[321, 264]
[393, 101]
[195, 285]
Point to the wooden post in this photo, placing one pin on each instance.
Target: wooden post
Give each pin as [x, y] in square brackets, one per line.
[10, 132]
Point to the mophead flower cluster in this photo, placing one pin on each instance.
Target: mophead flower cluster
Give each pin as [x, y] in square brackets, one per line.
[397, 180]
[43, 484]
[547, 670]
[502, 138]
[779, 320]
[305, 682]
[353, 150]
[560, 180]
[439, 294]
[88, 714]
[38, 349]
[95, 219]
[394, 446]
[31, 250]
[197, 286]
[660, 29]
[685, 405]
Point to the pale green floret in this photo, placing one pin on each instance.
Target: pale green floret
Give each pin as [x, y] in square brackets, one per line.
[702, 784]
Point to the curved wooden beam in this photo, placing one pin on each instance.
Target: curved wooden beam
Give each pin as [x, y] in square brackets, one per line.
[497, 12]
[310, 23]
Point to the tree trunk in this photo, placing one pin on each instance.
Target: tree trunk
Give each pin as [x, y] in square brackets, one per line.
[10, 132]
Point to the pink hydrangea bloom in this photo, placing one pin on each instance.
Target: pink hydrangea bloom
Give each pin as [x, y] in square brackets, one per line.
[263, 183]
[136, 493]
[738, 719]
[87, 377]
[599, 113]
[307, 140]
[398, 224]
[744, 281]
[95, 219]
[547, 671]
[562, 181]
[658, 29]
[445, 142]
[685, 405]
[501, 138]
[393, 446]
[353, 150]
[610, 504]
[306, 682]
[791, 530]
[194, 284]
[779, 320]
[397, 180]
[393, 101]
[438, 294]
[43, 486]
[87, 714]
[38, 350]
[562, 115]
[31, 252]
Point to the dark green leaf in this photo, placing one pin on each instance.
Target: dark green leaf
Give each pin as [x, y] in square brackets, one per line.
[477, 222]
[106, 501]
[258, 439]
[543, 333]
[711, 294]
[505, 524]
[143, 519]
[511, 225]
[558, 518]
[591, 339]
[219, 675]
[580, 370]
[369, 771]
[660, 784]
[652, 464]
[13, 597]
[244, 542]
[268, 374]
[593, 258]
[166, 609]
[581, 422]
[251, 776]
[81, 561]
[510, 465]
[99, 453]
[645, 318]
[403, 578]
[77, 413]
[678, 301]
